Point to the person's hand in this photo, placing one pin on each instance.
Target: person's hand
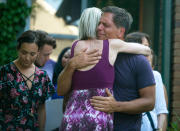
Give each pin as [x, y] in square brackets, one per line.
[105, 104]
[85, 58]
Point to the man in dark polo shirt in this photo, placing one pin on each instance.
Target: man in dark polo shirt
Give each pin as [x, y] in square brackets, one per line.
[134, 82]
[132, 75]
[134, 85]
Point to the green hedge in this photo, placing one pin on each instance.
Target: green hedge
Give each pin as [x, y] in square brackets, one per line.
[13, 14]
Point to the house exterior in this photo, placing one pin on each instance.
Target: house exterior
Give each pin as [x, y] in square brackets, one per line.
[175, 67]
[43, 18]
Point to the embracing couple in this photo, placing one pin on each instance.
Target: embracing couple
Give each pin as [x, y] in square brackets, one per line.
[110, 81]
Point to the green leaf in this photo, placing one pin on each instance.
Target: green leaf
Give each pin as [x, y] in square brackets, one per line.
[12, 19]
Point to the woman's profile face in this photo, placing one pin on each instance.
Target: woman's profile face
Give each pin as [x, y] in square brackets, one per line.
[27, 54]
[145, 41]
[66, 57]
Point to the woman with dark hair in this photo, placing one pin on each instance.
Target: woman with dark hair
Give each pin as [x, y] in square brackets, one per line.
[62, 59]
[24, 88]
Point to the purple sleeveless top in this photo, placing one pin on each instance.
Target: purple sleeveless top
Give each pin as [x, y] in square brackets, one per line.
[100, 76]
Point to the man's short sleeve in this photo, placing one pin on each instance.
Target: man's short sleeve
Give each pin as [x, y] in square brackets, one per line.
[144, 74]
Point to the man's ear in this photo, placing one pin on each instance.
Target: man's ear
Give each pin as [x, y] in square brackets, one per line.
[121, 32]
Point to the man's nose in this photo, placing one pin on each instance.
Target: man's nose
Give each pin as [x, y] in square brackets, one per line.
[100, 26]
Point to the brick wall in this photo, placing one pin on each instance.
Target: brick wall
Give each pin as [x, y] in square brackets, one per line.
[176, 62]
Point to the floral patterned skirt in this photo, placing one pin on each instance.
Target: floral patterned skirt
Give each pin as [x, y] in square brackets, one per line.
[81, 116]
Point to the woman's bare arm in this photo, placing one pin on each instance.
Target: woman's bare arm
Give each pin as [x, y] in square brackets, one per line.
[42, 117]
[129, 47]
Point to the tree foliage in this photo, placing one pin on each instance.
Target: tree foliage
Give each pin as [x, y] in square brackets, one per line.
[13, 16]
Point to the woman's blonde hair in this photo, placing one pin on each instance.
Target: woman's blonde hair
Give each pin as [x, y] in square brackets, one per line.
[89, 21]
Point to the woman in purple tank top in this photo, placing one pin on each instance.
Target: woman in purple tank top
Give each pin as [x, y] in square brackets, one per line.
[94, 79]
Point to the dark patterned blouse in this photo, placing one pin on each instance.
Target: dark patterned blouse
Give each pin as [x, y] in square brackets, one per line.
[19, 104]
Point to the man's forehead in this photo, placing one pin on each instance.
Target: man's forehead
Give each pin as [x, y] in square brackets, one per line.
[46, 47]
[107, 17]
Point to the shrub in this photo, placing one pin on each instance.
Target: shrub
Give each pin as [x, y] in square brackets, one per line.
[12, 20]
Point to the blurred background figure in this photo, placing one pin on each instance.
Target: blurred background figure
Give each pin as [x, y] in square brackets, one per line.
[46, 46]
[157, 118]
[63, 58]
